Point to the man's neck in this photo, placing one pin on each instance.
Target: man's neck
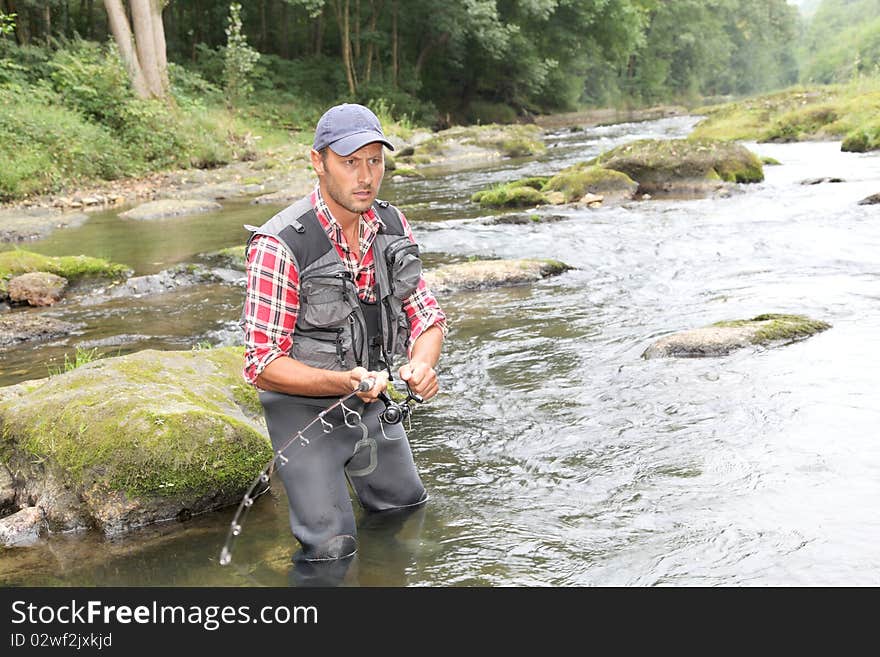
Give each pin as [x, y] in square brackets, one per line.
[345, 218]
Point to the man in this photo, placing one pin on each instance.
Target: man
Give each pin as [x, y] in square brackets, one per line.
[334, 293]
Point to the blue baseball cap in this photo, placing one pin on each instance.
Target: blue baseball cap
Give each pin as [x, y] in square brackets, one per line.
[346, 128]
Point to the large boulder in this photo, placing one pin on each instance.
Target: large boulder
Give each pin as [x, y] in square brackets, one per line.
[480, 274]
[38, 288]
[123, 442]
[585, 180]
[721, 338]
[683, 165]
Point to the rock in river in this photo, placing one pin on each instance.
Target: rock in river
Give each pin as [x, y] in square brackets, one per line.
[123, 442]
[170, 208]
[721, 338]
[480, 274]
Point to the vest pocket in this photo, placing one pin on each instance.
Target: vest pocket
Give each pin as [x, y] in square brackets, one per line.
[404, 267]
[326, 349]
[324, 301]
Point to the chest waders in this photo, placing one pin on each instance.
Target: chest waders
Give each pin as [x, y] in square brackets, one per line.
[338, 331]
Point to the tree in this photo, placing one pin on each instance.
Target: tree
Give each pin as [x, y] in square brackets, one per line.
[240, 58]
[144, 52]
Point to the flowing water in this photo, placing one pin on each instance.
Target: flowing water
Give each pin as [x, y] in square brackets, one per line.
[555, 454]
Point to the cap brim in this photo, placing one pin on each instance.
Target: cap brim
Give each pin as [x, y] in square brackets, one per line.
[351, 143]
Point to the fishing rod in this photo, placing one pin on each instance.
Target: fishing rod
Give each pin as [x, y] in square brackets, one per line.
[394, 413]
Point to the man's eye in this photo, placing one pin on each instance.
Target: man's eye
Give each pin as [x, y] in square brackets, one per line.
[349, 162]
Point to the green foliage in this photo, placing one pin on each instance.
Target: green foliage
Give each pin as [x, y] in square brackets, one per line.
[69, 117]
[485, 111]
[239, 59]
[842, 41]
[7, 24]
[44, 145]
[695, 47]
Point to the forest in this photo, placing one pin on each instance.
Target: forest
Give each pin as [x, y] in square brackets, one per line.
[228, 72]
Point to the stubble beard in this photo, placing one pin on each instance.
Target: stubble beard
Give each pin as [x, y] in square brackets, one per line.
[334, 192]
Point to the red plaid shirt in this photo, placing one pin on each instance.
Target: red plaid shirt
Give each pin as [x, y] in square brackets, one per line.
[272, 297]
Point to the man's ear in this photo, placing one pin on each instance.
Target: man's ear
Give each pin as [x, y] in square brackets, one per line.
[317, 162]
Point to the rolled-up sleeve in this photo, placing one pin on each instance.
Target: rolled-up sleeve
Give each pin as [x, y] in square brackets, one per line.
[271, 305]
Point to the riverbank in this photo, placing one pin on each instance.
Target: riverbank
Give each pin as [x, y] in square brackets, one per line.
[266, 170]
[848, 112]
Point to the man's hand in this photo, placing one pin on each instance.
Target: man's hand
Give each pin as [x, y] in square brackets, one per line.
[358, 374]
[421, 378]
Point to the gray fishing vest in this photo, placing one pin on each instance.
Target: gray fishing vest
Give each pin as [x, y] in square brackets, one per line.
[335, 329]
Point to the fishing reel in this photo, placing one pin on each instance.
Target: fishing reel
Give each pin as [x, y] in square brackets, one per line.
[397, 412]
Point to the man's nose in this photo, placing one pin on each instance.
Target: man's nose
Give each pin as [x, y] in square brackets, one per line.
[365, 173]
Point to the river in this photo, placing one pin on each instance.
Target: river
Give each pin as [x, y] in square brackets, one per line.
[555, 455]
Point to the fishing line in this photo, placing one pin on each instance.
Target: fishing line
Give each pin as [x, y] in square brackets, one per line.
[350, 417]
[394, 413]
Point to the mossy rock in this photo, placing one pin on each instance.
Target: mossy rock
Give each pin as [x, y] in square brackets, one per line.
[123, 442]
[73, 268]
[576, 181]
[484, 142]
[658, 164]
[232, 257]
[803, 123]
[722, 338]
[863, 139]
[510, 195]
[481, 274]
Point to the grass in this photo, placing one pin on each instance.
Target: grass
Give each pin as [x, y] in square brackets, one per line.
[80, 357]
[842, 111]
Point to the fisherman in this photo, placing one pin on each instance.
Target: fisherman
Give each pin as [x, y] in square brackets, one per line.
[334, 293]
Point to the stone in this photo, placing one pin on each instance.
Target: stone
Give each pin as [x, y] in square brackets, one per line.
[170, 208]
[24, 326]
[22, 528]
[180, 433]
[722, 338]
[37, 288]
[481, 274]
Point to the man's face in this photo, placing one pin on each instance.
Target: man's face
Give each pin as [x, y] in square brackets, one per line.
[351, 181]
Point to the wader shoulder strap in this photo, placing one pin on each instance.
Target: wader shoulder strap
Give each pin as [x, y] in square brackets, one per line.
[306, 239]
[298, 228]
[389, 216]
